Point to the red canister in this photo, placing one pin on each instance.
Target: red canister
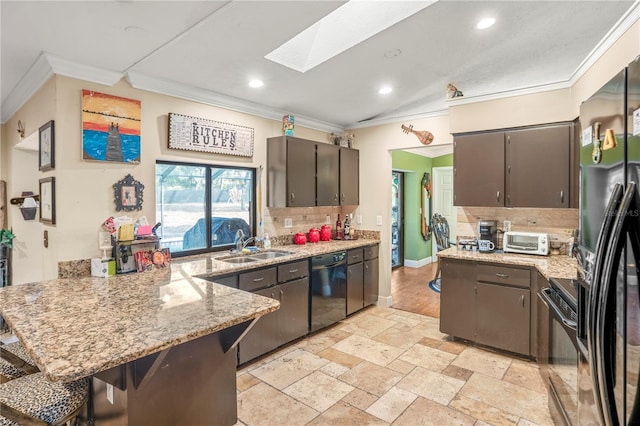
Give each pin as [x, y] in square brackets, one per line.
[325, 233]
[314, 235]
[299, 238]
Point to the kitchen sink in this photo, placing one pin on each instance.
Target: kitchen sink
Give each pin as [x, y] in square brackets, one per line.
[239, 259]
[269, 254]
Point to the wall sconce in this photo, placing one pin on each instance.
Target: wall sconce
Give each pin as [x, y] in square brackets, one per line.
[20, 129]
[28, 204]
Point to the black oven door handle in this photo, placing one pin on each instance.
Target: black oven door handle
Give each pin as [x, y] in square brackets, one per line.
[557, 313]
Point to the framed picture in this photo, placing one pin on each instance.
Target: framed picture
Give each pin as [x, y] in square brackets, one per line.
[46, 147]
[128, 194]
[48, 200]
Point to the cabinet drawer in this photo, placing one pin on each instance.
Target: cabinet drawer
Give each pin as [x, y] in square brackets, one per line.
[355, 256]
[371, 252]
[293, 270]
[257, 279]
[504, 275]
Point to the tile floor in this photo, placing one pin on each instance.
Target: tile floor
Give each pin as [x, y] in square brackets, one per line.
[386, 366]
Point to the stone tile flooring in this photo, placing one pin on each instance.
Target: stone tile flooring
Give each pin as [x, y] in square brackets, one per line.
[386, 366]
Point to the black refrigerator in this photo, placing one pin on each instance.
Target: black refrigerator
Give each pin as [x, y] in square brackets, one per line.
[609, 253]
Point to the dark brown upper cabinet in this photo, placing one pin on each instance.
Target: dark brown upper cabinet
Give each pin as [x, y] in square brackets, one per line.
[524, 167]
[478, 167]
[304, 173]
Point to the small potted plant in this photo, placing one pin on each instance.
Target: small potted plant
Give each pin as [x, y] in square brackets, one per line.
[6, 241]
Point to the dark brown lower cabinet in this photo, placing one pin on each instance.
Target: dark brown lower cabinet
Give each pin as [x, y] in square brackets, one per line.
[355, 287]
[502, 317]
[263, 336]
[458, 299]
[489, 304]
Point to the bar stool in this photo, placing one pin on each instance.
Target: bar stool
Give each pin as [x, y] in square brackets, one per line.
[35, 400]
[14, 353]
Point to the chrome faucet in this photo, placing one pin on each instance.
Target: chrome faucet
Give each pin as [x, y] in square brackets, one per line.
[240, 242]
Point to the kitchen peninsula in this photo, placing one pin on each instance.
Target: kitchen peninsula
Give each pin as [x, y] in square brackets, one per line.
[160, 345]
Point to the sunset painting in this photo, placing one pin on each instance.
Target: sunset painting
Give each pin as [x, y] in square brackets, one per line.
[110, 128]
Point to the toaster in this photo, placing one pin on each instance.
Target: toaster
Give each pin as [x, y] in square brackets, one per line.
[526, 242]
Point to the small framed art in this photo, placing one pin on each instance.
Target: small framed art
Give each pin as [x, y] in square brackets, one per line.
[48, 200]
[46, 138]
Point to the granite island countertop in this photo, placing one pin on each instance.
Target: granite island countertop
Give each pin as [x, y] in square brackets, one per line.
[76, 327]
[559, 266]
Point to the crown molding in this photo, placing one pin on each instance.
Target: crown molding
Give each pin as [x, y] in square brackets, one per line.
[83, 72]
[191, 93]
[29, 84]
[397, 119]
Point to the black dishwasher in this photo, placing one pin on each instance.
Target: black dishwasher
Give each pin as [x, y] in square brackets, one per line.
[328, 301]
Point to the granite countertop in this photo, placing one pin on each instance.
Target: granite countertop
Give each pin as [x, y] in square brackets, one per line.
[559, 266]
[77, 327]
[209, 266]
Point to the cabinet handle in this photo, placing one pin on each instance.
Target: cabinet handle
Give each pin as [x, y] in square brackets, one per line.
[502, 275]
[498, 196]
[509, 169]
[522, 300]
[292, 197]
[562, 196]
[293, 271]
[282, 294]
[335, 197]
[343, 196]
[257, 280]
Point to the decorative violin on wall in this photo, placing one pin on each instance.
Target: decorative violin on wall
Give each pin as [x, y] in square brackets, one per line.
[423, 136]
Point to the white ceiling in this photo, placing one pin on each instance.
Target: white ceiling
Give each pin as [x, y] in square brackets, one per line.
[208, 50]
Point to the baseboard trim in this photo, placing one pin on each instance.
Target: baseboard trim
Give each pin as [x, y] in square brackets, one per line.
[418, 263]
[385, 301]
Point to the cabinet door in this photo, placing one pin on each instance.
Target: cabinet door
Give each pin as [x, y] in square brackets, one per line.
[538, 168]
[349, 177]
[457, 299]
[503, 317]
[478, 167]
[328, 161]
[355, 289]
[370, 282]
[293, 315]
[301, 173]
[263, 336]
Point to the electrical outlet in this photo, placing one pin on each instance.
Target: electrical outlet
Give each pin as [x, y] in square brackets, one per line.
[359, 219]
[288, 222]
[506, 227]
[379, 220]
[327, 220]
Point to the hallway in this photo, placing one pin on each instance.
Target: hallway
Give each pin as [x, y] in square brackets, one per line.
[410, 290]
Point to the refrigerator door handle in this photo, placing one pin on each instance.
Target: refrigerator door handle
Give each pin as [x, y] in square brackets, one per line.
[591, 314]
[605, 317]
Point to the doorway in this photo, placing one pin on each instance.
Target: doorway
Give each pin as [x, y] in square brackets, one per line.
[397, 219]
[443, 200]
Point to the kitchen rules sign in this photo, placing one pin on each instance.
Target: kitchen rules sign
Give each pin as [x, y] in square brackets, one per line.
[200, 134]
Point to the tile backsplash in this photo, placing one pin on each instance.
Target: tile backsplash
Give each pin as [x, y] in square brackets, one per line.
[558, 223]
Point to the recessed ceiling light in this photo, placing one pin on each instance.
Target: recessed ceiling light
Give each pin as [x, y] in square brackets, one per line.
[345, 27]
[392, 53]
[385, 89]
[256, 83]
[485, 23]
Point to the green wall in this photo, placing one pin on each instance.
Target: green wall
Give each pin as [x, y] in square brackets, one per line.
[414, 166]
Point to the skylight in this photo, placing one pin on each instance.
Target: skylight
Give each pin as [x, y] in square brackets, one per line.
[348, 25]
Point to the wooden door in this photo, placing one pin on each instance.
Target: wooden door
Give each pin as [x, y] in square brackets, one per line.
[538, 167]
[263, 336]
[355, 288]
[478, 165]
[301, 173]
[293, 315]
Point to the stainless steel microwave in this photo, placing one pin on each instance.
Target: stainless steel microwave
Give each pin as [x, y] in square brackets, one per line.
[526, 242]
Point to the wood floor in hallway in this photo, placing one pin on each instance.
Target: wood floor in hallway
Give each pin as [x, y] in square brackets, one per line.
[410, 290]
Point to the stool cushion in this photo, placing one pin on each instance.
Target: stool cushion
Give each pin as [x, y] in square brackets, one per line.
[18, 350]
[9, 372]
[38, 397]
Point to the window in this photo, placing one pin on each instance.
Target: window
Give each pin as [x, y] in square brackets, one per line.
[201, 207]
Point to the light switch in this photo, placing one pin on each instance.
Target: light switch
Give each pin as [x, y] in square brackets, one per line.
[288, 222]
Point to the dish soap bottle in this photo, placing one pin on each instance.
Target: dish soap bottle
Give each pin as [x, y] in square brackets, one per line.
[266, 243]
